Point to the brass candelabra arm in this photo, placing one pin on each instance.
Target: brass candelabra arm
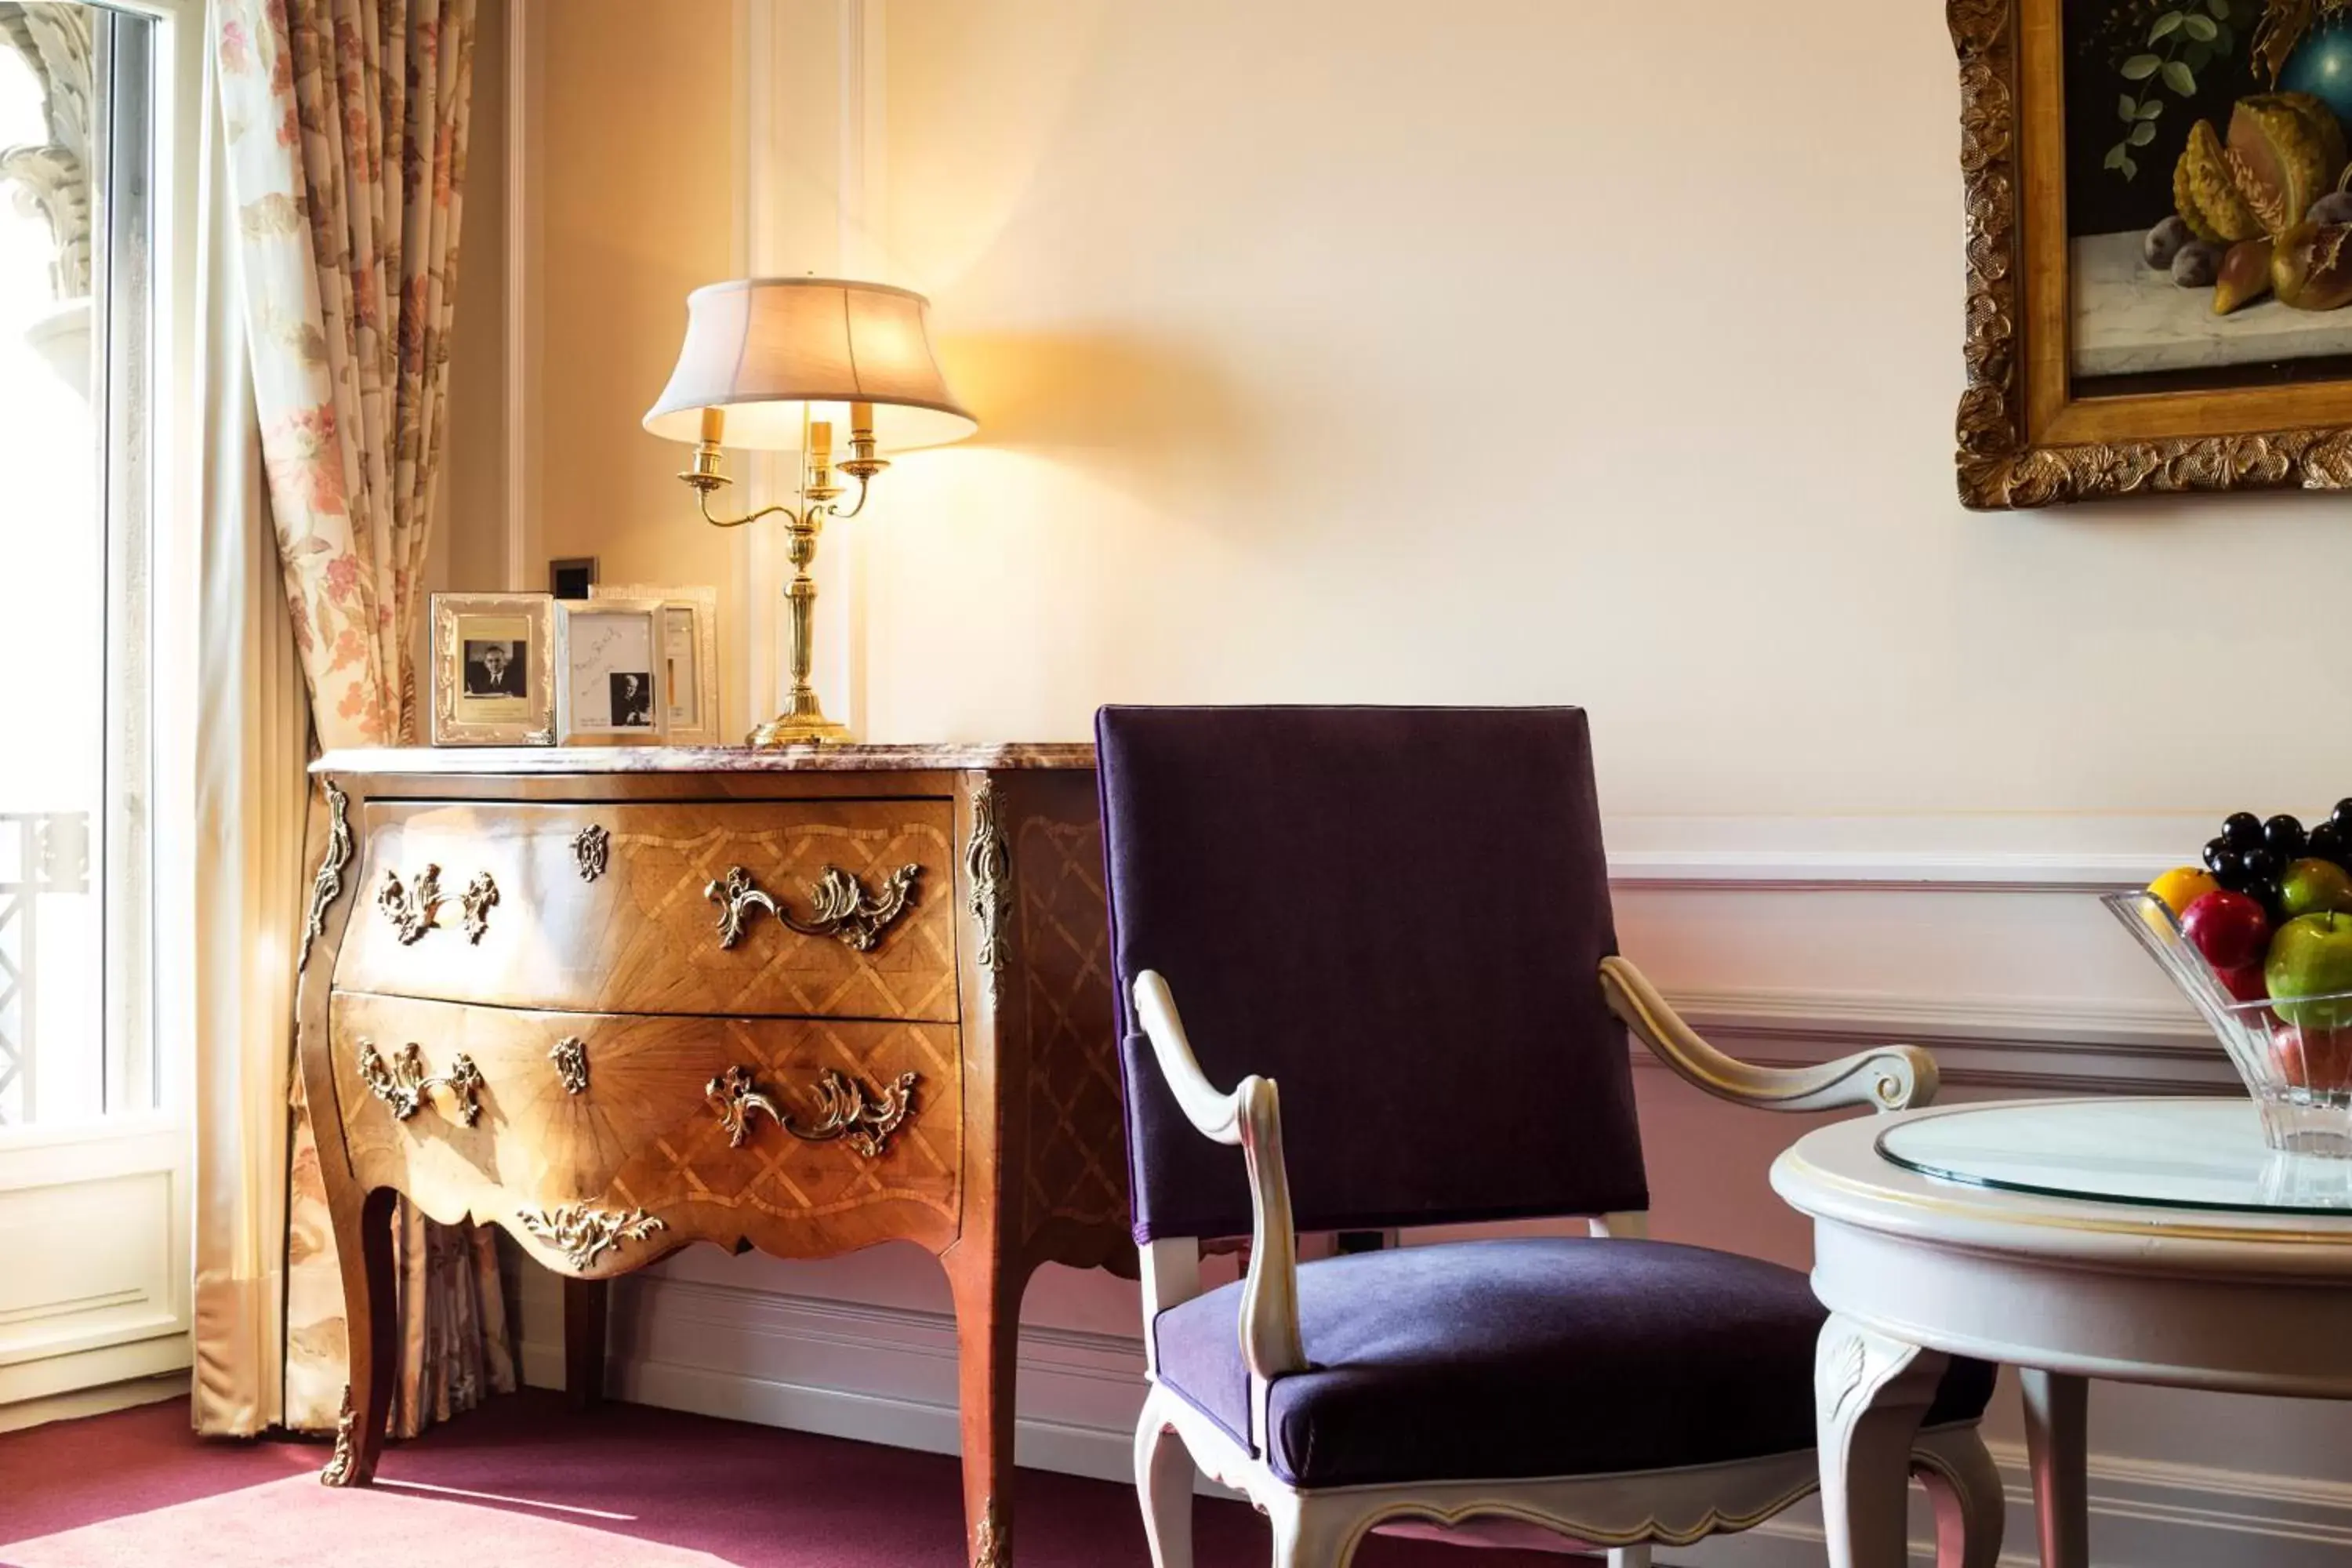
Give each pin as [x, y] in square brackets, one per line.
[853, 511]
[703, 491]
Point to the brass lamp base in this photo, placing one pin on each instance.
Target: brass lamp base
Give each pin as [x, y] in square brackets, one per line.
[796, 730]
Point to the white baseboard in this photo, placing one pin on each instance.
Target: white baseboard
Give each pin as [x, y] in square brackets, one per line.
[886, 1374]
[99, 1401]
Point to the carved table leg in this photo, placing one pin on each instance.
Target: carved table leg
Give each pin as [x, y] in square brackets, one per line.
[987, 1290]
[372, 1318]
[1870, 1394]
[2056, 1408]
[586, 1309]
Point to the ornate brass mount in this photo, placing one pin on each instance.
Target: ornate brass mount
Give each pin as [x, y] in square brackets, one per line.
[864, 1122]
[582, 1233]
[328, 885]
[591, 851]
[571, 1057]
[481, 894]
[340, 1468]
[412, 908]
[992, 1547]
[402, 1083]
[989, 864]
[839, 906]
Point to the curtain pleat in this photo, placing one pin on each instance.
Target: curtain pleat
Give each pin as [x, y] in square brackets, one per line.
[251, 801]
[345, 124]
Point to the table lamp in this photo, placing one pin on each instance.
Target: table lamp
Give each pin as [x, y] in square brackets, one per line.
[778, 364]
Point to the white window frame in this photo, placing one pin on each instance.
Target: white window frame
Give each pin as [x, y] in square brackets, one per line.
[96, 1218]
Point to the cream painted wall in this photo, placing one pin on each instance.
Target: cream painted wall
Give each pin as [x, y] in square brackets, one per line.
[635, 181]
[1524, 352]
[467, 552]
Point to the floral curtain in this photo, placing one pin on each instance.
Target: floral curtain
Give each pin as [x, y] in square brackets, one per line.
[345, 125]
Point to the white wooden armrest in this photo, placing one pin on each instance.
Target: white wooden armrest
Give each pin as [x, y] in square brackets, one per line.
[1250, 1116]
[1889, 1078]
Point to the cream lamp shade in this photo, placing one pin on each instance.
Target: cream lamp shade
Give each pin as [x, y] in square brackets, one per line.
[770, 349]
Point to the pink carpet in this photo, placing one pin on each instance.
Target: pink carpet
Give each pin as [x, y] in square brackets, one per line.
[526, 1483]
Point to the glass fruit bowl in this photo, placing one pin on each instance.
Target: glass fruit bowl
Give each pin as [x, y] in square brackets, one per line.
[2295, 1055]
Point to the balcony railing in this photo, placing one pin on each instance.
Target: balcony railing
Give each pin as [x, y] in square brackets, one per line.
[41, 852]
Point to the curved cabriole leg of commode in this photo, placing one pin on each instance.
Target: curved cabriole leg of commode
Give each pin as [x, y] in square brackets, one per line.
[363, 1226]
[1964, 1485]
[2056, 1408]
[1870, 1394]
[1629, 1557]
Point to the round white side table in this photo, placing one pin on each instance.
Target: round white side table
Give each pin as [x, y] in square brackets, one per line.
[2145, 1241]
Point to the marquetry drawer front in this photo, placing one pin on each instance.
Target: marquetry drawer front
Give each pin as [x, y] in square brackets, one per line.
[826, 909]
[602, 1141]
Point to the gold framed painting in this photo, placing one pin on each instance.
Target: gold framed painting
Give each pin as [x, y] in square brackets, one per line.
[493, 669]
[608, 668]
[2159, 246]
[689, 656]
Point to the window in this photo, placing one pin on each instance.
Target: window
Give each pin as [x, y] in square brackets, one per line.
[78, 97]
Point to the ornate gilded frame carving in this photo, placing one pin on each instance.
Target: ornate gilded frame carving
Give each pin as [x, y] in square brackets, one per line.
[2025, 440]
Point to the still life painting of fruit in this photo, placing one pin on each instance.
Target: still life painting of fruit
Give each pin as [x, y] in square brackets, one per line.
[2209, 192]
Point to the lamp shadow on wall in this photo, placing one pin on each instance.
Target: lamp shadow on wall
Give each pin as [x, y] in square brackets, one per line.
[1146, 416]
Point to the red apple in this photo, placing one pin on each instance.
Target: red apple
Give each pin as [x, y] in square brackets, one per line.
[2245, 983]
[2230, 928]
[2315, 1058]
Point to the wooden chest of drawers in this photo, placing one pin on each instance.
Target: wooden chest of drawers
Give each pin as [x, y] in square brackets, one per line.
[616, 1001]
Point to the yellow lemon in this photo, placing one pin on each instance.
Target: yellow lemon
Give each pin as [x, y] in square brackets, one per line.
[2182, 886]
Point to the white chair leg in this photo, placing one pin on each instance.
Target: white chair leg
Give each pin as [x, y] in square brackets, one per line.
[1634, 1556]
[1164, 1483]
[1963, 1484]
[1313, 1532]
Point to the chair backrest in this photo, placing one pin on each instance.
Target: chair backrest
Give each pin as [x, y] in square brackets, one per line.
[1396, 914]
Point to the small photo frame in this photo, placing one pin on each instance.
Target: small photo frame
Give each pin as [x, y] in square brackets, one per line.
[493, 669]
[608, 658]
[689, 647]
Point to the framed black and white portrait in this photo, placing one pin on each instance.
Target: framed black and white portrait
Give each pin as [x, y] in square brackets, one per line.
[689, 657]
[493, 669]
[610, 673]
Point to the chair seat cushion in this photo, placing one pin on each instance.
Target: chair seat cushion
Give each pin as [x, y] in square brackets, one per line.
[1505, 1360]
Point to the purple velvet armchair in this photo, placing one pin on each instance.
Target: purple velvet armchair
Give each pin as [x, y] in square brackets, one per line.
[1401, 916]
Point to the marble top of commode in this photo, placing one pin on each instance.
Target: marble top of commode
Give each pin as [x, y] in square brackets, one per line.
[2176, 1153]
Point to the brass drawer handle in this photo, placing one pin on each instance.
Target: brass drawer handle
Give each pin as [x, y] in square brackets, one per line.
[411, 908]
[839, 905]
[864, 1122]
[402, 1083]
[415, 907]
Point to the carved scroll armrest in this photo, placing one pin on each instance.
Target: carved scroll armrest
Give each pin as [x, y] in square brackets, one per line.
[1251, 1116]
[1888, 1077]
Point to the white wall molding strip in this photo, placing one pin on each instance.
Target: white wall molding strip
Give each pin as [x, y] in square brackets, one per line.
[1993, 853]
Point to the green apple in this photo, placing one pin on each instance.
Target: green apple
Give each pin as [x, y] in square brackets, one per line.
[2311, 887]
[2312, 956]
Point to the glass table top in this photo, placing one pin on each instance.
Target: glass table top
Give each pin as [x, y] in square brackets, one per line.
[2179, 1154]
